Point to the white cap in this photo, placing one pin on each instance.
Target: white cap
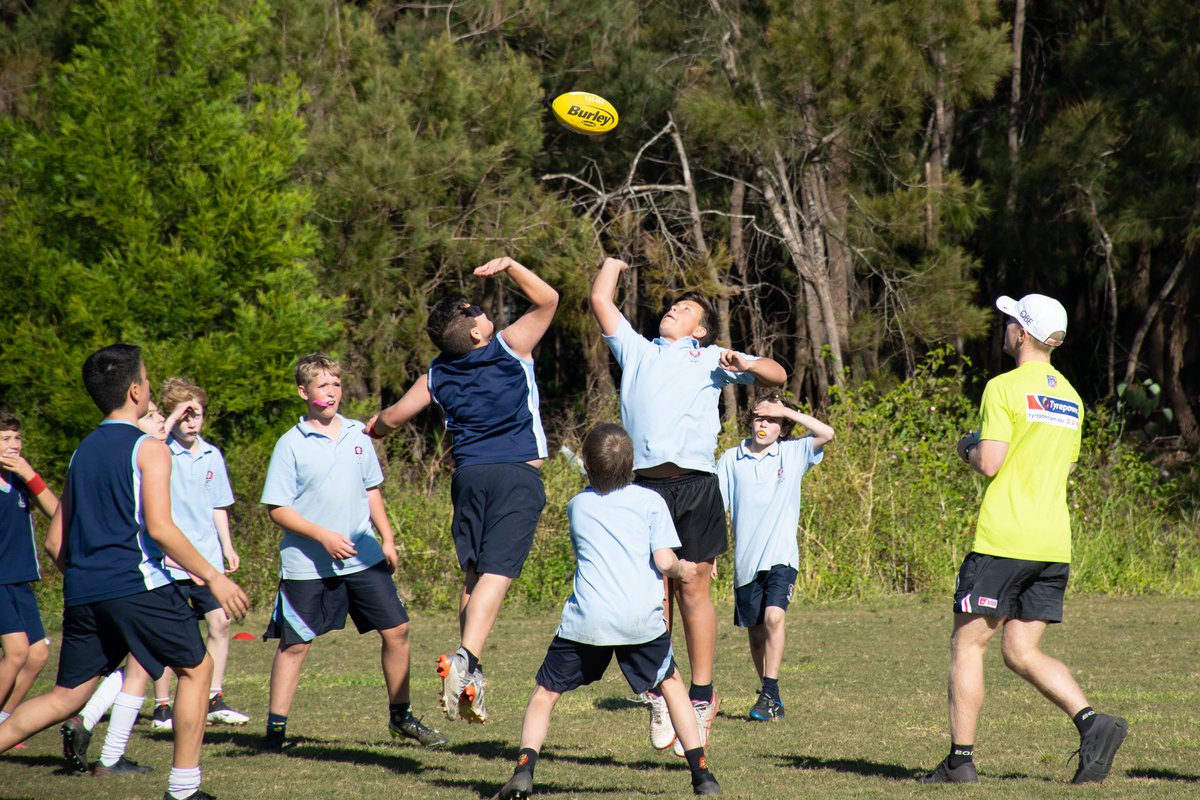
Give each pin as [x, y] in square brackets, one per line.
[1038, 314]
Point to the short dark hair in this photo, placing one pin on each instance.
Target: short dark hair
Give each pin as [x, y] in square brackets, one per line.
[9, 421]
[775, 396]
[608, 457]
[109, 372]
[708, 316]
[450, 325]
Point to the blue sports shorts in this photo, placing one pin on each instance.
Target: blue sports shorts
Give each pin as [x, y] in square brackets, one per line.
[496, 512]
[770, 587]
[305, 609]
[19, 611]
[570, 664]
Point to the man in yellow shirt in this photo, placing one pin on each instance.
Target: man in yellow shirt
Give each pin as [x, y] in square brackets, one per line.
[1017, 571]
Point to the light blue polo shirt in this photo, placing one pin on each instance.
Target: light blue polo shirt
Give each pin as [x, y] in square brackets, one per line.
[199, 483]
[326, 482]
[618, 590]
[669, 396]
[763, 498]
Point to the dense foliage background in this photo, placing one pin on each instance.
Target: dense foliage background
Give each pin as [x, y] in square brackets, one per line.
[233, 184]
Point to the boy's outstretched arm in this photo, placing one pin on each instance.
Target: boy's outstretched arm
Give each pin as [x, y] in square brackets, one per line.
[415, 400]
[524, 334]
[604, 294]
[766, 371]
[671, 566]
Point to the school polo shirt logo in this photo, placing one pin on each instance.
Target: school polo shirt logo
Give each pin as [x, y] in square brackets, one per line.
[1051, 411]
[358, 453]
[208, 478]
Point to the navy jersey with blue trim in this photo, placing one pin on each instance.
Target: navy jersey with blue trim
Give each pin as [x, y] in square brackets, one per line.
[109, 553]
[491, 402]
[18, 549]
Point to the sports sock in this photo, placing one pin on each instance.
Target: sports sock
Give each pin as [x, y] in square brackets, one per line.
[276, 724]
[526, 761]
[4, 715]
[770, 687]
[102, 699]
[183, 783]
[120, 725]
[701, 693]
[1084, 720]
[213, 692]
[697, 763]
[960, 754]
[472, 659]
[398, 712]
[162, 701]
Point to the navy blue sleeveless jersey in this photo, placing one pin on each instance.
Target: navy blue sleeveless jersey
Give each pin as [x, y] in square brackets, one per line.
[18, 550]
[109, 552]
[491, 402]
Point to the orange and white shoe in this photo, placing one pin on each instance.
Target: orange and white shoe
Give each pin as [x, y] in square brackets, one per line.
[705, 714]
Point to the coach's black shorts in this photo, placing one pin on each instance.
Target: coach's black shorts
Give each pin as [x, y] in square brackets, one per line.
[570, 664]
[1009, 587]
[496, 512]
[199, 597]
[19, 612]
[157, 627]
[305, 609]
[694, 499]
[770, 587]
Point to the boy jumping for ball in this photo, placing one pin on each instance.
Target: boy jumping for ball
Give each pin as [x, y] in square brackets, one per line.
[484, 381]
[670, 389]
[624, 544]
[760, 484]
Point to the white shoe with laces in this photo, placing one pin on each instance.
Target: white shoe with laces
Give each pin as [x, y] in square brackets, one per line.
[662, 732]
[705, 714]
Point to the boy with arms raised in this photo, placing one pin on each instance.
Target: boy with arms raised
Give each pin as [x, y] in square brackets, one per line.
[760, 484]
[624, 544]
[108, 537]
[200, 498]
[670, 389]
[22, 637]
[485, 384]
[322, 488]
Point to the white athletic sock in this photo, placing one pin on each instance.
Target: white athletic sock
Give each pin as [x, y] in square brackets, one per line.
[183, 783]
[4, 715]
[213, 692]
[120, 725]
[162, 701]
[102, 699]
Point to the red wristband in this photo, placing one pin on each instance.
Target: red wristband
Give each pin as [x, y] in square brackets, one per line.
[374, 435]
[36, 485]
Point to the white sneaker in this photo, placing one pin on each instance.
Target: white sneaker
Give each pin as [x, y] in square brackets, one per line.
[452, 670]
[218, 711]
[470, 701]
[662, 732]
[705, 714]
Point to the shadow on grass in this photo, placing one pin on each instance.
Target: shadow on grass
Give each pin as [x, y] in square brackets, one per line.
[13, 757]
[317, 750]
[490, 788]
[874, 769]
[618, 703]
[491, 749]
[1161, 775]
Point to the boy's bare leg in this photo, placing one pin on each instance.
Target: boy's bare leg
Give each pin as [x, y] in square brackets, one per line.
[394, 657]
[757, 635]
[190, 712]
[217, 642]
[483, 595]
[679, 706]
[773, 645]
[1023, 655]
[35, 662]
[39, 713]
[699, 622]
[16, 653]
[162, 686]
[285, 676]
[537, 718]
[969, 643]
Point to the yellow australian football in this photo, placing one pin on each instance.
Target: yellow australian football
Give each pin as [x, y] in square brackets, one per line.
[584, 112]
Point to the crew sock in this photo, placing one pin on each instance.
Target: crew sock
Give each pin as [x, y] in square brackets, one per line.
[120, 725]
[183, 783]
[1084, 720]
[770, 687]
[960, 754]
[398, 712]
[276, 724]
[472, 659]
[526, 761]
[697, 763]
[701, 693]
[102, 699]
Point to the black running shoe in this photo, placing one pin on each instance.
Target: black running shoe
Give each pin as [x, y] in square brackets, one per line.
[1097, 748]
[273, 743]
[767, 709]
[75, 740]
[519, 787]
[413, 728]
[963, 773]
[124, 766]
[705, 783]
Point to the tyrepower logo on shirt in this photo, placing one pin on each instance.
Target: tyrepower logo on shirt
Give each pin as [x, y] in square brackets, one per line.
[1052, 411]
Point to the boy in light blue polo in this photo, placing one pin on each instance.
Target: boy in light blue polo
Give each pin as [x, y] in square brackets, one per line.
[624, 544]
[760, 485]
[322, 488]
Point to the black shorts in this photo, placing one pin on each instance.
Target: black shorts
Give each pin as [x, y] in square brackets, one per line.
[496, 512]
[770, 587]
[199, 597]
[157, 627]
[19, 612]
[1009, 587]
[569, 664]
[305, 609]
[694, 499]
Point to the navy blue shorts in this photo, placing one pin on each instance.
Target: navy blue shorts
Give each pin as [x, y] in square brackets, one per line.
[199, 597]
[496, 512]
[19, 612]
[993, 586]
[697, 510]
[158, 627]
[305, 609]
[569, 664]
[770, 587]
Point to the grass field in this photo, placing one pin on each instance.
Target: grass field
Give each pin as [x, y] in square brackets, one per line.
[863, 687]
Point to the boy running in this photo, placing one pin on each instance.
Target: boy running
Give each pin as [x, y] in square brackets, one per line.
[485, 384]
[760, 484]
